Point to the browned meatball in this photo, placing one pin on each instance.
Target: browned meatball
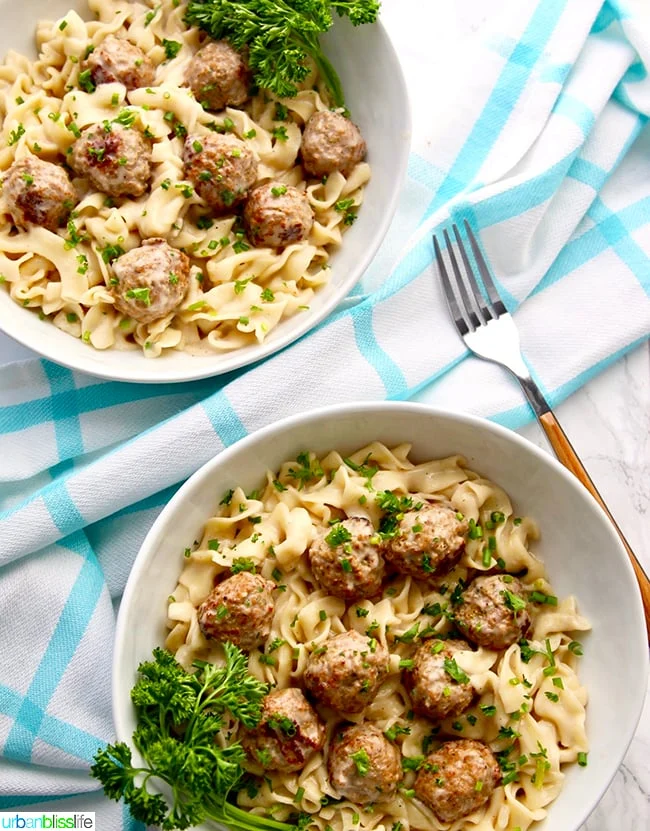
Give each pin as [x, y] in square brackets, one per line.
[363, 765]
[277, 215]
[289, 732]
[116, 60]
[331, 142]
[457, 779]
[150, 281]
[429, 542]
[435, 692]
[494, 612]
[38, 193]
[347, 671]
[345, 562]
[218, 76]
[115, 159]
[239, 610]
[221, 168]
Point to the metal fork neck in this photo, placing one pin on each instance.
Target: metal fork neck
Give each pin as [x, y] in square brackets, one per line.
[537, 401]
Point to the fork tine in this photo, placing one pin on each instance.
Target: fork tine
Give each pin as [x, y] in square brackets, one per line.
[454, 308]
[491, 289]
[470, 308]
[485, 308]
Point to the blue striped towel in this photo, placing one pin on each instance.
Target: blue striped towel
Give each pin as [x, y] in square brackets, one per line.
[538, 137]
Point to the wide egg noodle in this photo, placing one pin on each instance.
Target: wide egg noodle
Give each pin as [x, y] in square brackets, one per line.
[69, 283]
[288, 511]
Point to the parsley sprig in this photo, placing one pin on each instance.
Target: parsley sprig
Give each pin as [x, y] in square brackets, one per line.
[280, 35]
[179, 714]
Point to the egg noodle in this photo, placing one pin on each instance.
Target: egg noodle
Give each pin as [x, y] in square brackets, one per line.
[538, 716]
[238, 293]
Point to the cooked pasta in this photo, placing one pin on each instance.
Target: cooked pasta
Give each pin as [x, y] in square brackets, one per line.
[529, 705]
[237, 293]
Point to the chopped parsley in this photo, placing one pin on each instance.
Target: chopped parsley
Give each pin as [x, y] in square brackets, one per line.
[172, 48]
[454, 671]
[347, 208]
[240, 564]
[280, 134]
[540, 597]
[283, 724]
[361, 762]
[141, 294]
[281, 112]
[396, 730]
[308, 469]
[279, 191]
[394, 508]
[363, 469]
[513, 601]
[111, 252]
[86, 82]
[15, 135]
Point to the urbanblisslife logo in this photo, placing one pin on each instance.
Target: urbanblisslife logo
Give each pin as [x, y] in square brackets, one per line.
[59, 819]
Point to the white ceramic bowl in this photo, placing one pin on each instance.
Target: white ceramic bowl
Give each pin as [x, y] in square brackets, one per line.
[583, 554]
[376, 95]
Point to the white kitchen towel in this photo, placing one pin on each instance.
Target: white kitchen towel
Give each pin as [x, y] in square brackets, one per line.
[538, 137]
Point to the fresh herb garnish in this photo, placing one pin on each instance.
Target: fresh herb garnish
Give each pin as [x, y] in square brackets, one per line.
[86, 82]
[280, 36]
[454, 671]
[15, 135]
[361, 761]
[171, 47]
[179, 714]
[394, 508]
[363, 469]
[308, 469]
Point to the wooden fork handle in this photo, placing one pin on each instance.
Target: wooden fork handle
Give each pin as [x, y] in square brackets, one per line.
[569, 458]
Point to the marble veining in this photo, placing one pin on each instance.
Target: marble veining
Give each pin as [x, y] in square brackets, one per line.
[608, 423]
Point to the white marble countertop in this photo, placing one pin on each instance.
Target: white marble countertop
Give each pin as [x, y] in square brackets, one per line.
[608, 422]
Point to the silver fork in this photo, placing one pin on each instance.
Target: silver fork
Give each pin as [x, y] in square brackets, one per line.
[490, 332]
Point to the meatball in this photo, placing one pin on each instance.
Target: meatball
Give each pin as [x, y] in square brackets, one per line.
[347, 671]
[116, 60]
[221, 168]
[277, 215]
[239, 610]
[151, 280]
[331, 142]
[363, 765]
[348, 565]
[38, 193]
[218, 76]
[428, 543]
[457, 779]
[435, 693]
[115, 159]
[491, 613]
[289, 732]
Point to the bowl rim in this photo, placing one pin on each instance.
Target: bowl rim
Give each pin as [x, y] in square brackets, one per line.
[167, 373]
[267, 433]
